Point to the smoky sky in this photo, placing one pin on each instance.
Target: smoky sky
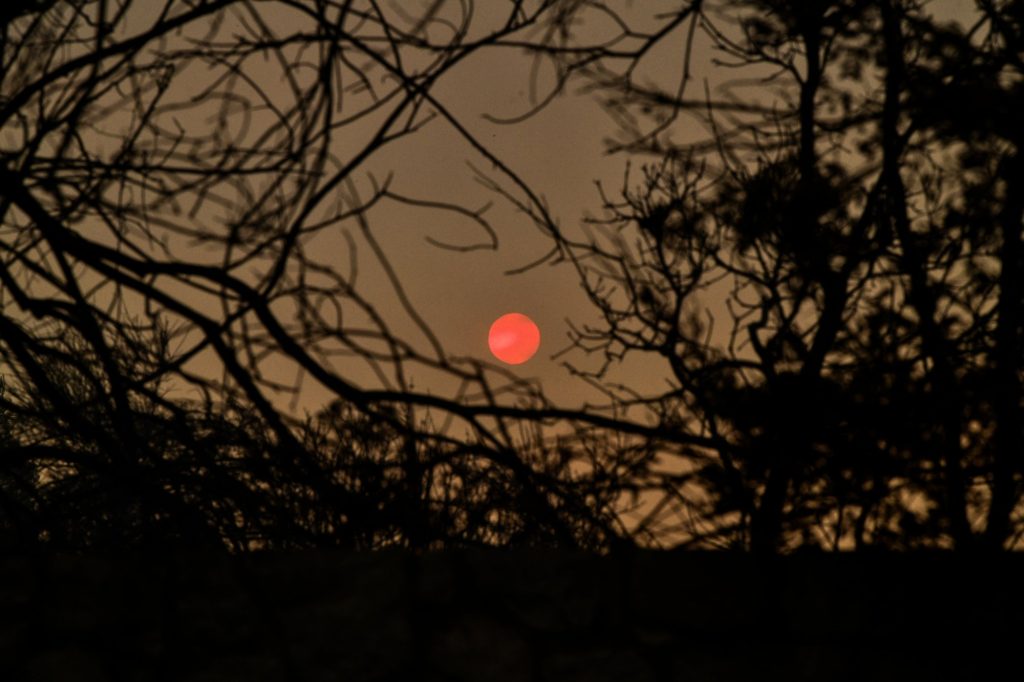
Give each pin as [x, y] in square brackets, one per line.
[560, 151]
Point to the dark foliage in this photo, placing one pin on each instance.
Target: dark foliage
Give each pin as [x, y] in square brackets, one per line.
[861, 388]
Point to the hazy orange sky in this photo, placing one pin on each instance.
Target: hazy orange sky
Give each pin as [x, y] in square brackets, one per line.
[560, 152]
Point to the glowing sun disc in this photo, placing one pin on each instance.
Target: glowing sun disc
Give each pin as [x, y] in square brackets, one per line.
[513, 338]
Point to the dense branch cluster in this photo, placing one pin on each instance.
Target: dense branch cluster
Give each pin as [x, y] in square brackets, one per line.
[865, 233]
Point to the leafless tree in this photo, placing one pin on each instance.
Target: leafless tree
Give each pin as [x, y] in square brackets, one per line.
[169, 169]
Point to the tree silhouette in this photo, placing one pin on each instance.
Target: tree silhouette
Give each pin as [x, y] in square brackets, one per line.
[867, 225]
[167, 171]
[171, 169]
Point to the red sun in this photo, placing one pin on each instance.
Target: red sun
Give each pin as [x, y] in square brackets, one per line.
[513, 338]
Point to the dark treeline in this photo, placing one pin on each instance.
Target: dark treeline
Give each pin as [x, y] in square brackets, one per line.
[859, 213]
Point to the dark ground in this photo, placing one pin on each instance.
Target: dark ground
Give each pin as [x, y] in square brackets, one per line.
[522, 615]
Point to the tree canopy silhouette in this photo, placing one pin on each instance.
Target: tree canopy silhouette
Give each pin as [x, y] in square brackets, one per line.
[169, 167]
[865, 228]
